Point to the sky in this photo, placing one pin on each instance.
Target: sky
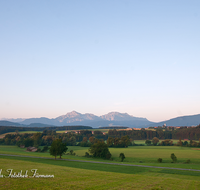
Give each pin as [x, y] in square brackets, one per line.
[130, 56]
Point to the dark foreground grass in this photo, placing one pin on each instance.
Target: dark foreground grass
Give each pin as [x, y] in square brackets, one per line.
[76, 175]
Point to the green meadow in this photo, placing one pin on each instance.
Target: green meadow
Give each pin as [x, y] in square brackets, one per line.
[140, 155]
[102, 130]
[85, 175]
[80, 175]
[30, 132]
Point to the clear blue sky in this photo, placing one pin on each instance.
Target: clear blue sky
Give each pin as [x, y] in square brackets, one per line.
[138, 57]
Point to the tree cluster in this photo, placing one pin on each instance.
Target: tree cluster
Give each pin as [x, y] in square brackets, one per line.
[124, 141]
[100, 150]
[58, 148]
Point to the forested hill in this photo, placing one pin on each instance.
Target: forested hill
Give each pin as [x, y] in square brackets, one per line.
[9, 123]
[6, 129]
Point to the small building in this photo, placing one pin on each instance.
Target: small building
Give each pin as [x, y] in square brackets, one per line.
[31, 149]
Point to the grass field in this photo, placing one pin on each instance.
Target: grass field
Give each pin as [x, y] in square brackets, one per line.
[102, 130]
[81, 175]
[140, 155]
[30, 131]
[174, 141]
[77, 175]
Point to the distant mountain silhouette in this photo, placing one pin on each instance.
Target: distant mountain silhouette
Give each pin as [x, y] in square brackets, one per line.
[40, 125]
[42, 120]
[110, 119]
[76, 117]
[8, 123]
[116, 116]
[13, 120]
[14, 124]
[191, 120]
[88, 119]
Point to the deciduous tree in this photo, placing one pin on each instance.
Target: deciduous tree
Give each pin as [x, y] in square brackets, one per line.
[57, 148]
[110, 141]
[100, 149]
[155, 141]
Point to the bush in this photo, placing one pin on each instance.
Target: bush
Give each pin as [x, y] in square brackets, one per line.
[173, 157]
[122, 157]
[187, 161]
[148, 142]
[87, 154]
[138, 144]
[38, 150]
[45, 148]
[185, 143]
[71, 152]
[160, 160]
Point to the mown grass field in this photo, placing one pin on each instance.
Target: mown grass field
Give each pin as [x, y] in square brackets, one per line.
[30, 131]
[140, 155]
[77, 175]
[174, 141]
[102, 130]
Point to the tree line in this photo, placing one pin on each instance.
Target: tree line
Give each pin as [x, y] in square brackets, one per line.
[191, 133]
[7, 129]
[99, 141]
[114, 138]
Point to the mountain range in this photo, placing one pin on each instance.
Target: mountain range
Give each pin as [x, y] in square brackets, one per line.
[110, 119]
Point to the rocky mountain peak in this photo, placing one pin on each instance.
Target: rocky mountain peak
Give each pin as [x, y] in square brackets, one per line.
[116, 116]
[69, 115]
[73, 114]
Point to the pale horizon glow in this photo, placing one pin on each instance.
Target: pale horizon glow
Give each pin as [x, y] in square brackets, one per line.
[135, 57]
